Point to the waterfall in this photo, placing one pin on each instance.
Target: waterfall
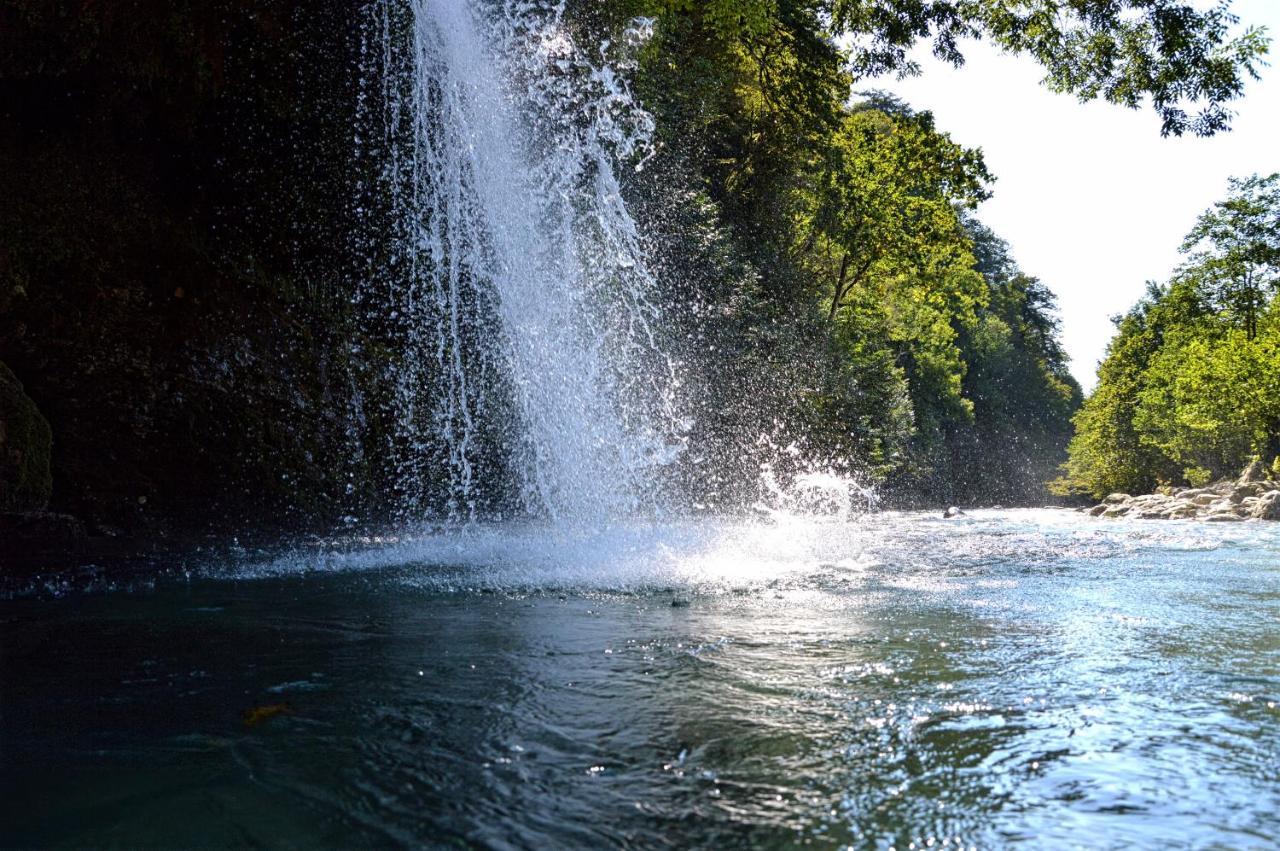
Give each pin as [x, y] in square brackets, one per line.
[506, 274]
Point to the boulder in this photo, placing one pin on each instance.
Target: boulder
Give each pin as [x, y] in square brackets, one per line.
[1267, 507]
[25, 443]
[1224, 501]
[1224, 517]
[1255, 472]
[1242, 492]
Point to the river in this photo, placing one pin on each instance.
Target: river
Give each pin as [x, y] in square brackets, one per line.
[1032, 678]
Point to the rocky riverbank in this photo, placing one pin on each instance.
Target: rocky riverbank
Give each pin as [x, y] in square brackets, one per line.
[1253, 496]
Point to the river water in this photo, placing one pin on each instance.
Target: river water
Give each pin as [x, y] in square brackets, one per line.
[1029, 678]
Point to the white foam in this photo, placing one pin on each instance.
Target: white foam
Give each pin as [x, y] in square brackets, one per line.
[709, 554]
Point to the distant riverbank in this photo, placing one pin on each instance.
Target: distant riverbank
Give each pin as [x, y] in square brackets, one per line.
[1253, 496]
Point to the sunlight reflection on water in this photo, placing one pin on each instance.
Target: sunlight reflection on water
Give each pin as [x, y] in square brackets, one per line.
[712, 553]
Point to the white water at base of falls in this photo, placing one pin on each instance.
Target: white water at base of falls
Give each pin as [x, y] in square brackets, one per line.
[518, 259]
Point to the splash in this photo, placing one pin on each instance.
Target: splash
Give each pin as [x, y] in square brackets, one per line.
[719, 555]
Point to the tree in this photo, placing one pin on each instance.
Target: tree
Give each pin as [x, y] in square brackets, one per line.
[1234, 249]
[1108, 453]
[876, 309]
[1213, 402]
[1190, 388]
[1018, 380]
[878, 230]
[883, 194]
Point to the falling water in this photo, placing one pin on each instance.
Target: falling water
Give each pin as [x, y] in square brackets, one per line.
[512, 282]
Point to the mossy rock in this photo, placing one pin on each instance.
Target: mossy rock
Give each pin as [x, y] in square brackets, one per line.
[25, 443]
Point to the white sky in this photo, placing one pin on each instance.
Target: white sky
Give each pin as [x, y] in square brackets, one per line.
[1091, 199]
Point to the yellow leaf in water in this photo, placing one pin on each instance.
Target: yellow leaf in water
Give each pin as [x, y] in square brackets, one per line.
[258, 714]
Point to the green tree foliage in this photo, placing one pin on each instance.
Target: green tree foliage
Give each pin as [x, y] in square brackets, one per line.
[1234, 249]
[1190, 387]
[1107, 453]
[881, 200]
[848, 286]
[1179, 56]
[879, 235]
[1182, 57]
[1017, 379]
[1213, 402]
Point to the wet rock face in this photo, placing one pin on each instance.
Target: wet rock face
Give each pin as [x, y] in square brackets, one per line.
[173, 205]
[1268, 507]
[1253, 496]
[25, 444]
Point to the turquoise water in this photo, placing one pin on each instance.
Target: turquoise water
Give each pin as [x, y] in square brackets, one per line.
[1013, 678]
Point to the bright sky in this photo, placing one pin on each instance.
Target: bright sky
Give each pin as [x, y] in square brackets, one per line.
[1091, 199]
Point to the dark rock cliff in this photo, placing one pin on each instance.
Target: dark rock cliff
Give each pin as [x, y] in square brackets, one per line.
[175, 254]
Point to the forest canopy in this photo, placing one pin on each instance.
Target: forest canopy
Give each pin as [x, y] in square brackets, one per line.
[892, 328]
